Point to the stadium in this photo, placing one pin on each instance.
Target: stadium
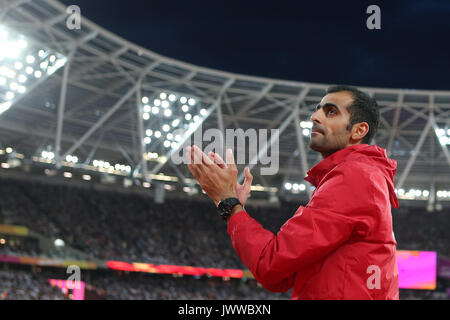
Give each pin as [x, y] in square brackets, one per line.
[89, 126]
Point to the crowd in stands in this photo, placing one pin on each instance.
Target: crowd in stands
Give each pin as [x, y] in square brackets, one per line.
[26, 284]
[139, 286]
[133, 228]
[23, 285]
[116, 285]
[417, 229]
[126, 227]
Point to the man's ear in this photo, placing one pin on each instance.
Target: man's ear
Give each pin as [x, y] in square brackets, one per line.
[359, 131]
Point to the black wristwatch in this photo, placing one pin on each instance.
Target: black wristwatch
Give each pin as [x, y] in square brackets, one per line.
[225, 207]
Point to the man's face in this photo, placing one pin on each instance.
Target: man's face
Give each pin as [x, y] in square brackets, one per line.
[330, 120]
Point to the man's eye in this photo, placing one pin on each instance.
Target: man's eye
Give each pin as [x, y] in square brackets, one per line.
[331, 110]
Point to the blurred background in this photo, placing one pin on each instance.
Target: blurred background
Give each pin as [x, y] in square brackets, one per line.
[96, 97]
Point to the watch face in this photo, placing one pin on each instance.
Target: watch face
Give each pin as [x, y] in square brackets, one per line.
[226, 206]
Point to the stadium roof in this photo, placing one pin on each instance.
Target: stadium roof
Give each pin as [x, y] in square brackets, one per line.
[90, 105]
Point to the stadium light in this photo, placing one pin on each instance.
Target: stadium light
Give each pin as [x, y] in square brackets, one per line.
[59, 243]
[48, 155]
[306, 124]
[165, 104]
[19, 58]
[67, 175]
[293, 187]
[72, 159]
[101, 164]
[443, 136]
[175, 122]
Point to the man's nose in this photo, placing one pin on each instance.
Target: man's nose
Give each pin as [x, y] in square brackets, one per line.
[315, 118]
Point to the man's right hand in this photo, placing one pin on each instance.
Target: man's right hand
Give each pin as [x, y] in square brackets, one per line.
[242, 190]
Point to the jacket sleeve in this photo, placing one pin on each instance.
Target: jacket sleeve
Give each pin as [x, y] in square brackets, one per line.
[342, 206]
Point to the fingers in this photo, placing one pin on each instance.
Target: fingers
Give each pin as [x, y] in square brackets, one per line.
[197, 157]
[197, 161]
[192, 168]
[203, 157]
[218, 160]
[248, 174]
[230, 161]
[248, 179]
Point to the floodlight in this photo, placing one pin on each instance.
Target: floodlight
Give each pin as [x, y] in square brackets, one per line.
[175, 122]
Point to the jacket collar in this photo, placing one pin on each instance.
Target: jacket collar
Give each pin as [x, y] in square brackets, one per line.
[316, 173]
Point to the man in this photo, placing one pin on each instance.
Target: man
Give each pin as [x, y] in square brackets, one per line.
[341, 245]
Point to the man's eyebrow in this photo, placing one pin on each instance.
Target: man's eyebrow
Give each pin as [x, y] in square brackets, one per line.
[328, 104]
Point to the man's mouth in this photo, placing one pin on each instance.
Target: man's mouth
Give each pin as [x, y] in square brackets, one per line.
[315, 131]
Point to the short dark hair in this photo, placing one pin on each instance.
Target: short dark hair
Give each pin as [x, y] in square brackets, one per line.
[364, 108]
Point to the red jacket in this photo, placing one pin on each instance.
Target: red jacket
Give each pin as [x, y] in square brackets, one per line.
[341, 245]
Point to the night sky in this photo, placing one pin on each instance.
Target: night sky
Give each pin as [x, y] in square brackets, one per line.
[312, 41]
